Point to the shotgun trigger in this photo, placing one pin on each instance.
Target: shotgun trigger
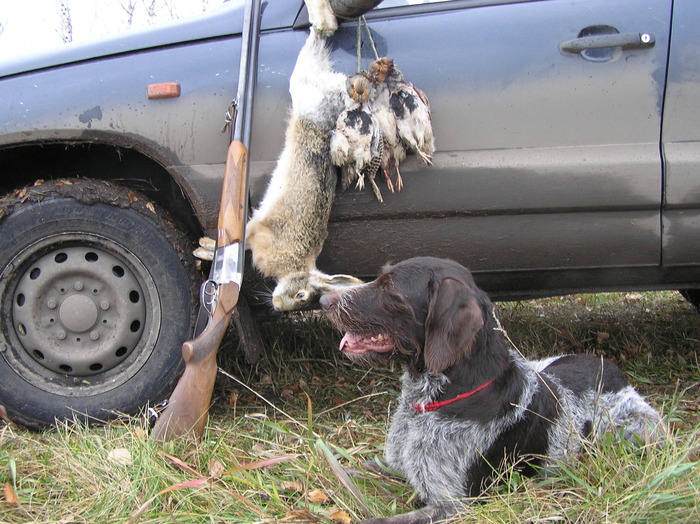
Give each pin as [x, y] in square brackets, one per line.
[209, 296]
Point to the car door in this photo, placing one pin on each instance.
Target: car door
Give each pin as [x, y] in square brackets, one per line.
[681, 140]
[547, 156]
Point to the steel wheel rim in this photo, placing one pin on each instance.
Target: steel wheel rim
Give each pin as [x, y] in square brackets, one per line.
[93, 327]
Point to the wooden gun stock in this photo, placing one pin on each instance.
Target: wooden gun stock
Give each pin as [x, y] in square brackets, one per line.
[186, 412]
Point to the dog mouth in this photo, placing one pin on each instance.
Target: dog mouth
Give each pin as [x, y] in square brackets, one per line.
[360, 344]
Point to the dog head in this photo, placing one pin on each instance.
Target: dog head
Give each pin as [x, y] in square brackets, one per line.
[425, 311]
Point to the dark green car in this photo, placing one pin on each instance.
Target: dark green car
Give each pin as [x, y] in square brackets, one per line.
[568, 160]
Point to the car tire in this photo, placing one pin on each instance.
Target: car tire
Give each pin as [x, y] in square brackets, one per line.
[692, 296]
[96, 297]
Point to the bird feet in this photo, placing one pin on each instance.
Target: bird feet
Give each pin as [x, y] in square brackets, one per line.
[425, 157]
[399, 180]
[389, 183]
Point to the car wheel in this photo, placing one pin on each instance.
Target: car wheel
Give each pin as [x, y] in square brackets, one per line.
[692, 296]
[96, 301]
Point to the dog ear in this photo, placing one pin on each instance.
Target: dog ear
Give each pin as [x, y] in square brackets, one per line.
[453, 321]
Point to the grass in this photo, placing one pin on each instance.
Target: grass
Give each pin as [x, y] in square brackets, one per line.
[277, 430]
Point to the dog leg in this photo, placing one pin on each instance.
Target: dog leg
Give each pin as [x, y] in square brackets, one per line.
[427, 515]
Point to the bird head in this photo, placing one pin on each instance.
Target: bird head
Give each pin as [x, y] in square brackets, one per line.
[358, 87]
[381, 68]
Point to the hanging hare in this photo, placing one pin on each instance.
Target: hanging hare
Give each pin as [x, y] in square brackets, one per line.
[287, 231]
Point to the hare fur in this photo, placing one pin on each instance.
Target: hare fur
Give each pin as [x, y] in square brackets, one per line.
[287, 231]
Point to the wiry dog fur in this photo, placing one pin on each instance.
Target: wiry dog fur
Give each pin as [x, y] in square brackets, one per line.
[287, 231]
[429, 314]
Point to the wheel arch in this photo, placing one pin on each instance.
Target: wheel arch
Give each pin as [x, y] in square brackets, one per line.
[122, 165]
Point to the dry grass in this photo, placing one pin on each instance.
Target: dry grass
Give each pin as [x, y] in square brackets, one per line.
[304, 402]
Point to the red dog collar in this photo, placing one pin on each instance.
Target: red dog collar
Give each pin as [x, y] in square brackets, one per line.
[432, 406]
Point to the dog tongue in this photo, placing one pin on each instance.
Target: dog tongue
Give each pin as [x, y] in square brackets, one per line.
[348, 340]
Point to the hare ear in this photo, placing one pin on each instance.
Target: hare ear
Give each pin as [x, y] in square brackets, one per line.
[453, 321]
[328, 283]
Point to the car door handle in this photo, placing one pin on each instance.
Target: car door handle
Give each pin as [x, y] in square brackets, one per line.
[624, 40]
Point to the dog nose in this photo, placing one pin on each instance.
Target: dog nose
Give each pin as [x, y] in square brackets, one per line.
[326, 302]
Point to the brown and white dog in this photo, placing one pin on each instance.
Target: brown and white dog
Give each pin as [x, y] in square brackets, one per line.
[469, 403]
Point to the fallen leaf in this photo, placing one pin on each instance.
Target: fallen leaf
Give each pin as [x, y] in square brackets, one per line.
[120, 456]
[341, 517]
[215, 467]
[10, 495]
[318, 497]
[293, 485]
[602, 337]
[151, 207]
[299, 515]
[132, 197]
